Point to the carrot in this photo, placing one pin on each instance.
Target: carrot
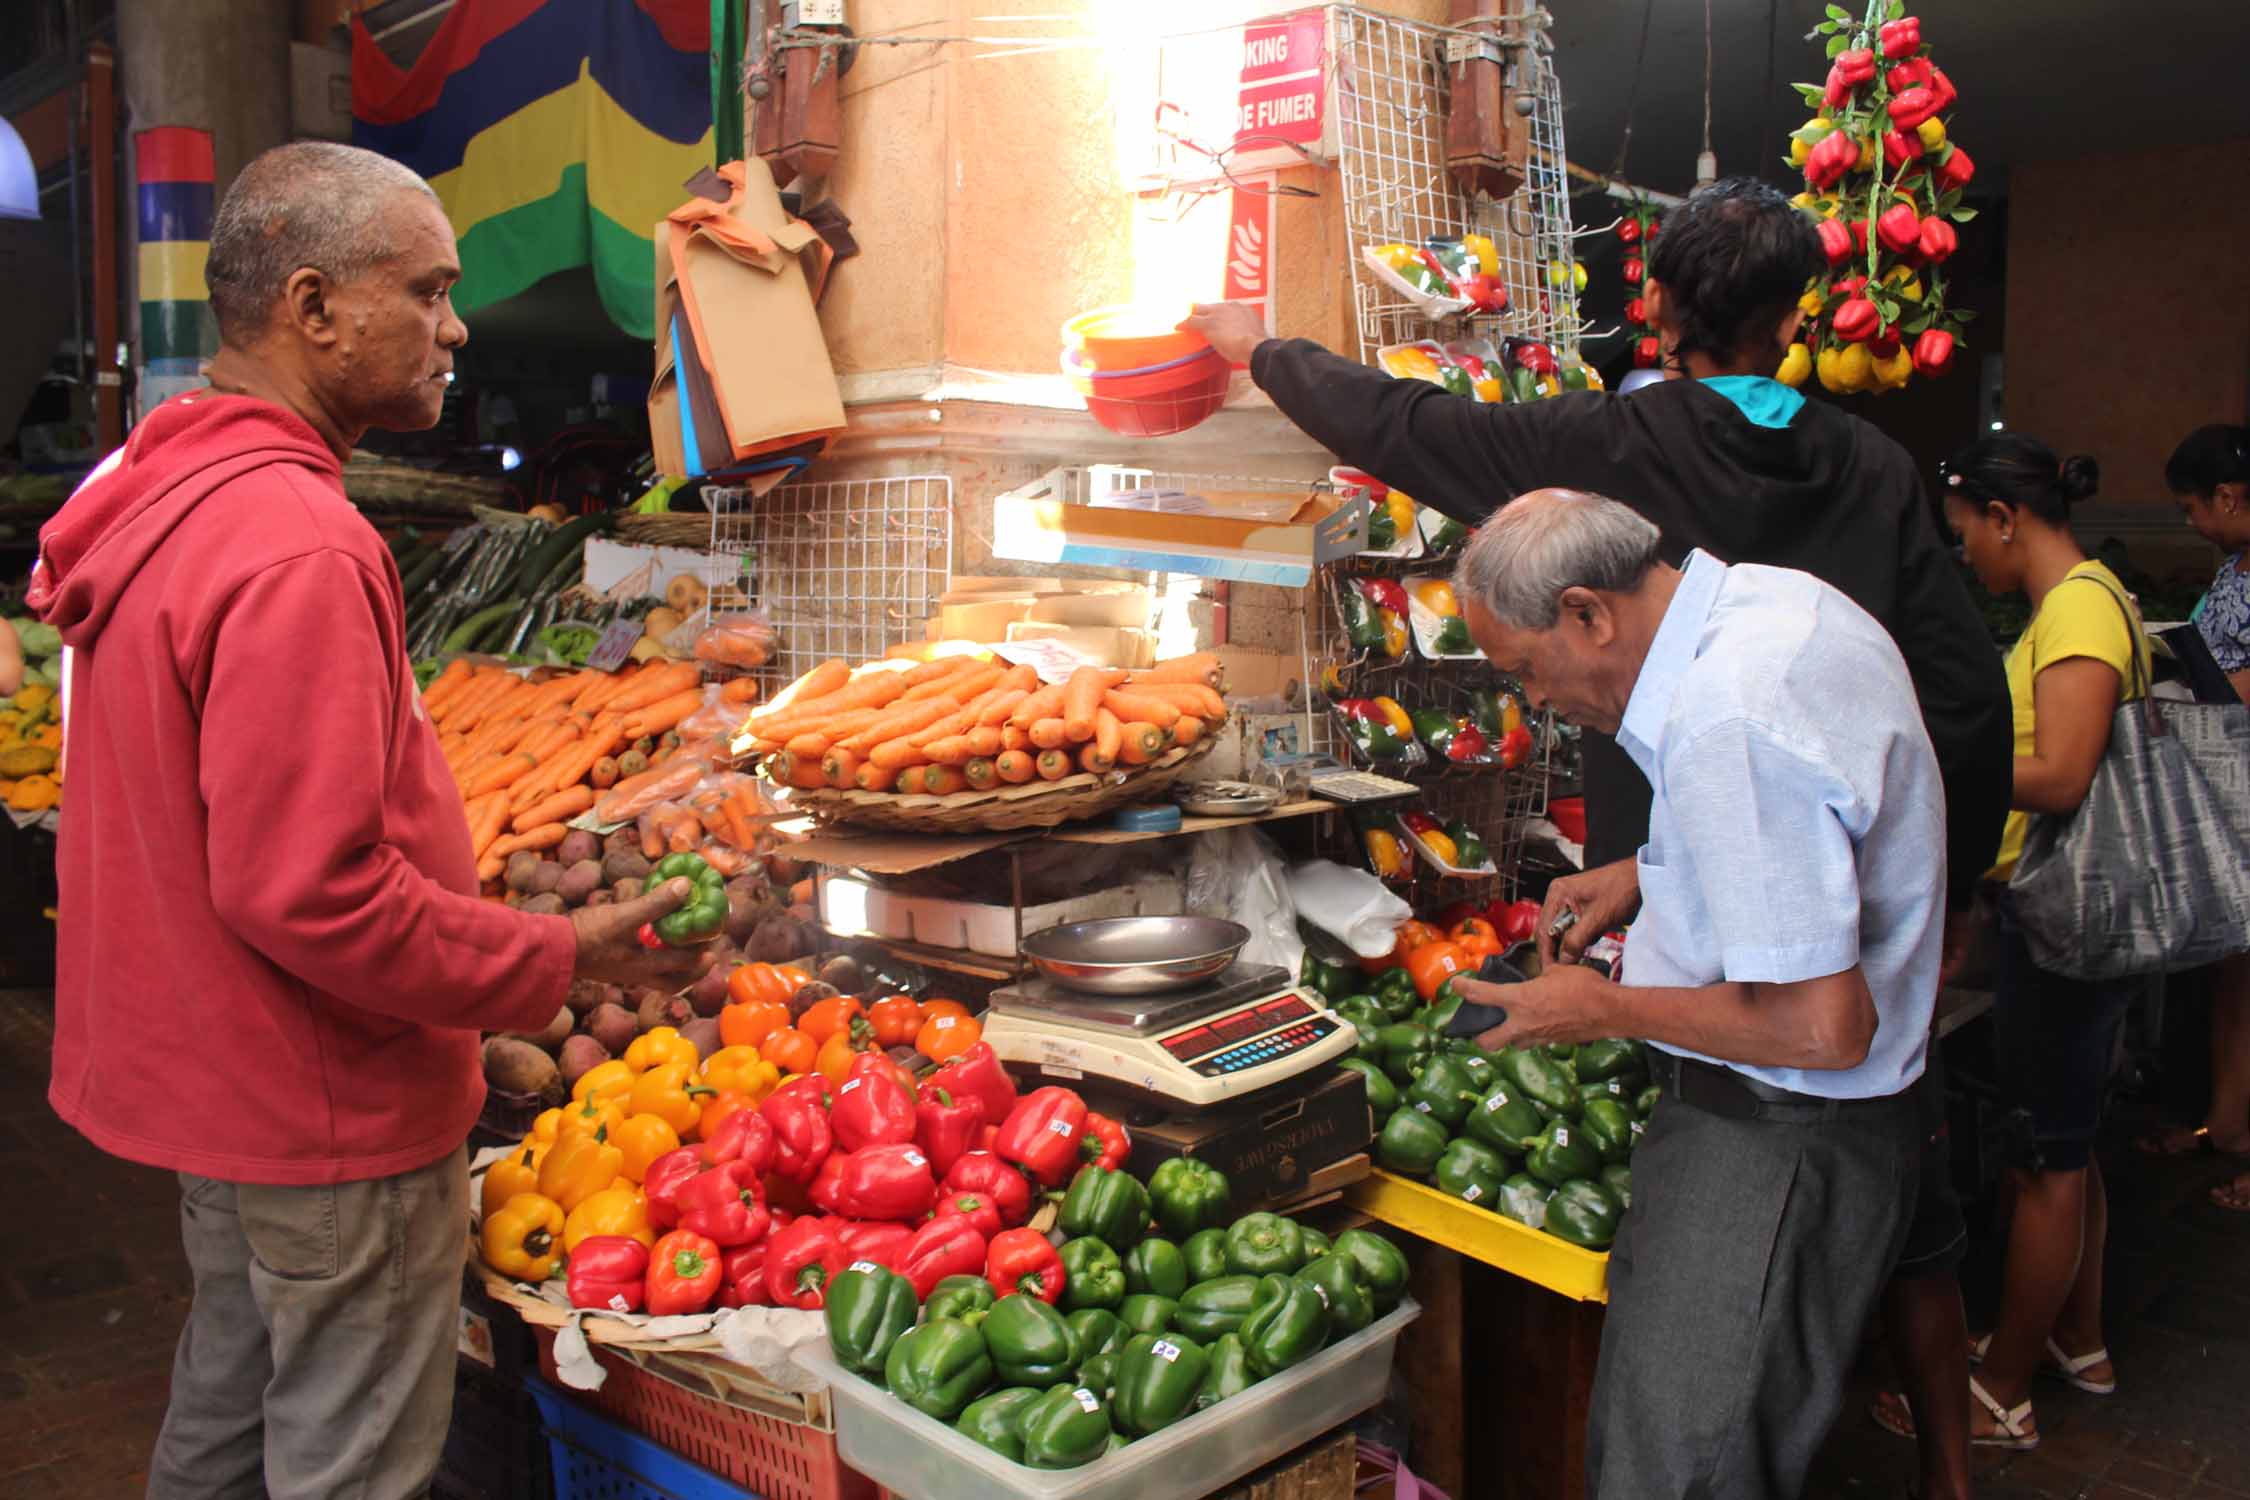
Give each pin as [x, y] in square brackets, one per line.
[726, 861]
[1003, 703]
[1082, 694]
[910, 780]
[1143, 743]
[1090, 758]
[805, 775]
[950, 751]
[1199, 666]
[462, 713]
[876, 690]
[652, 838]
[1049, 734]
[1020, 679]
[685, 834]
[491, 817]
[900, 721]
[812, 742]
[822, 680]
[560, 808]
[736, 812]
[984, 740]
[740, 690]
[944, 781]
[1014, 767]
[555, 692]
[1187, 697]
[656, 684]
[1106, 733]
[511, 769]
[1187, 731]
[489, 682]
[1015, 737]
[1130, 709]
[937, 671]
[840, 767]
[447, 685]
[661, 715]
[895, 755]
[603, 775]
[630, 785]
[960, 687]
[1044, 703]
[871, 777]
[489, 868]
[547, 737]
[602, 694]
[545, 836]
[957, 722]
[472, 766]
[1053, 765]
[980, 775]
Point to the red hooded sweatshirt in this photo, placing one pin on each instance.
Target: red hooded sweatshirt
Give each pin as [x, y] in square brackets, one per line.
[272, 961]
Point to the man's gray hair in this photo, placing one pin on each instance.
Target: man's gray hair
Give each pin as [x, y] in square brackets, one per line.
[311, 203]
[1519, 562]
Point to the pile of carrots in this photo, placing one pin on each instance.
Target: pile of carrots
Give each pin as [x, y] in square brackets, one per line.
[970, 723]
[530, 756]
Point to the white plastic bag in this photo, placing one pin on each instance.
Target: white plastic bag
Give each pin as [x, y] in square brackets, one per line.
[1239, 874]
[1350, 905]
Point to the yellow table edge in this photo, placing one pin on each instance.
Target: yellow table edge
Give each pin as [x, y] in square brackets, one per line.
[1480, 1234]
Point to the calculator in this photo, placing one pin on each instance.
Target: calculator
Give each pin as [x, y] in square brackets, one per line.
[1358, 786]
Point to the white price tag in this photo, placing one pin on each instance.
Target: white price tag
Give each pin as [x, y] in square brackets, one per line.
[1062, 1127]
[863, 1266]
[617, 1303]
[1471, 1193]
[1165, 1350]
[1087, 1400]
[916, 1159]
[1562, 1135]
[1423, 1105]
[849, 1085]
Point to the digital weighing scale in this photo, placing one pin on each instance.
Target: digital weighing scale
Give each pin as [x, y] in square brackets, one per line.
[1231, 1036]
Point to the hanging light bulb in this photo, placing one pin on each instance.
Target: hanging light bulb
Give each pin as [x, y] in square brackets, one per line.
[19, 181]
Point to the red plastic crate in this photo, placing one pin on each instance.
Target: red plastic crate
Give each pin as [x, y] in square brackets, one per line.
[777, 1458]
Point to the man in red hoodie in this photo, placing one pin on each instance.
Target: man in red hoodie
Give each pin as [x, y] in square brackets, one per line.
[273, 962]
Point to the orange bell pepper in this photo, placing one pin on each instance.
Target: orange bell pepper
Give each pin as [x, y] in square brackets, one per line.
[895, 1018]
[838, 1013]
[747, 1023]
[1433, 964]
[643, 1138]
[945, 1037]
[790, 1050]
[776, 983]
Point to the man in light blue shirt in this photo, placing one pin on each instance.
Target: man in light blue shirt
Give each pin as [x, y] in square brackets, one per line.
[1791, 905]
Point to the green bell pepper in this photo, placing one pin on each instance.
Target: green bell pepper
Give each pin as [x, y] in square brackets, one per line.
[1229, 1373]
[1216, 1307]
[1206, 1255]
[1644, 1102]
[1029, 1342]
[1482, 1074]
[1382, 1265]
[1382, 535]
[1157, 1378]
[1406, 1049]
[1618, 1183]
[1438, 1014]
[1098, 1332]
[1453, 377]
[867, 1308]
[1092, 1275]
[1452, 639]
[1618, 1090]
[1538, 1078]
[1188, 1195]
[1410, 1143]
[1264, 1245]
[1344, 1295]
[940, 1367]
[1434, 728]
[1561, 1153]
[991, 1420]
[1363, 627]
[1584, 1214]
[1367, 1019]
[1110, 1206]
[705, 910]
[1444, 1092]
[1394, 990]
[1471, 1171]
[1445, 534]
[1469, 852]
[1099, 1374]
[1155, 1266]
[1147, 1313]
[1316, 1243]
[1287, 1327]
[968, 1298]
[1563, 1055]
[1612, 1058]
[1066, 1427]
[1334, 981]
[1382, 1094]
[1503, 1120]
[1524, 1199]
[1484, 707]
[1608, 1126]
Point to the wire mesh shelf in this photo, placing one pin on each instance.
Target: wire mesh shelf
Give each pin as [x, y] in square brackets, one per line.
[842, 568]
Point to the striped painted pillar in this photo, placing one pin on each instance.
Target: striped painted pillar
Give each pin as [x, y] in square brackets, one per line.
[177, 334]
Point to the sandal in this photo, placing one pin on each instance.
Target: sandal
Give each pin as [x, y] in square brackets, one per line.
[2181, 1140]
[2072, 1370]
[1890, 1411]
[2233, 1195]
[2012, 1432]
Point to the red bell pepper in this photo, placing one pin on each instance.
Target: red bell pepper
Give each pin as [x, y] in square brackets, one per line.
[975, 1207]
[723, 1206]
[1835, 241]
[1857, 320]
[945, 1126]
[1486, 293]
[801, 1262]
[1954, 172]
[1900, 228]
[1848, 285]
[1538, 358]
[949, 1246]
[609, 1271]
[662, 1182]
[979, 1074]
[1515, 921]
[1387, 593]
[871, 1239]
[1933, 352]
[1021, 1260]
[798, 1113]
[1913, 107]
[1938, 239]
[872, 1107]
[986, 1175]
[1041, 1133]
[742, 1277]
[1468, 745]
[683, 1274]
[1105, 1143]
[744, 1137]
[882, 1182]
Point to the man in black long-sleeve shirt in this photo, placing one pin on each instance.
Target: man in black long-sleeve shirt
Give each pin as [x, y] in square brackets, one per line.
[1723, 459]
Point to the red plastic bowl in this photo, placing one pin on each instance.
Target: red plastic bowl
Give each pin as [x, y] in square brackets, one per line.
[1154, 403]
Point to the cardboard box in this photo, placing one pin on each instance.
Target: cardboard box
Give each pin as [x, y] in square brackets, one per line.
[1272, 1148]
[1252, 536]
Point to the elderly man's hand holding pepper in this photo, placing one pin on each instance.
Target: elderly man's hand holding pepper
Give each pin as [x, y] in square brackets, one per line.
[610, 948]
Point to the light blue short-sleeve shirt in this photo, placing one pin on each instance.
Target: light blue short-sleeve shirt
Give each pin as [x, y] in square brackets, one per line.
[1797, 826]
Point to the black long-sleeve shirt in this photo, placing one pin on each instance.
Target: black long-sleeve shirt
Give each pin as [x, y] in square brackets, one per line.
[1828, 495]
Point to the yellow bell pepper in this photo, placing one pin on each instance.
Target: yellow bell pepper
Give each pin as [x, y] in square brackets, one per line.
[1401, 512]
[643, 1138]
[547, 1126]
[1440, 845]
[1436, 596]
[1398, 257]
[610, 1211]
[515, 1173]
[1395, 716]
[740, 1070]
[523, 1241]
[1487, 253]
[589, 1117]
[603, 1081]
[1796, 366]
[654, 1048]
[670, 1092]
[1383, 852]
[578, 1168]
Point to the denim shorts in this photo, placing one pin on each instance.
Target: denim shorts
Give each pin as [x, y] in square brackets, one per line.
[2056, 1040]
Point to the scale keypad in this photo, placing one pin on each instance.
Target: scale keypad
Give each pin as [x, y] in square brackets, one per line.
[1266, 1049]
[1199, 1041]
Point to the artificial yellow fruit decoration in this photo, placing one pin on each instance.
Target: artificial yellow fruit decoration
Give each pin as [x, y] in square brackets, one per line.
[609, 1080]
[513, 1174]
[610, 1211]
[657, 1046]
[35, 794]
[1856, 367]
[578, 1168]
[643, 1138]
[32, 699]
[1902, 280]
[27, 760]
[1808, 202]
[1931, 132]
[523, 1241]
[1866, 152]
[1796, 366]
[1825, 366]
[1895, 371]
[1811, 303]
[670, 1092]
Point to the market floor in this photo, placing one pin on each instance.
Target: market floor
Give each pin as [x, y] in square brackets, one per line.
[94, 1289]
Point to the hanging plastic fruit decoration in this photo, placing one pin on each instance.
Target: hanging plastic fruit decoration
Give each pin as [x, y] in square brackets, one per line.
[1883, 181]
[1637, 230]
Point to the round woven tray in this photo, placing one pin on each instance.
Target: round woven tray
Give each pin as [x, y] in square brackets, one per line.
[686, 529]
[1033, 804]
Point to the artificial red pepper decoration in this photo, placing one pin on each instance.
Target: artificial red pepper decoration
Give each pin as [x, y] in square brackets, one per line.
[1835, 240]
[1021, 1260]
[743, 1137]
[978, 1073]
[1636, 311]
[1900, 228]
[1105, 1143]
[1859, 236]
[983, 1173]
[978, 1209]
[609, 1271]
[1827, 162]
[1933, 352]
[801, 1262]
[683, 1274]
[1633, 270]
[1938, 239]
[723, 1206]
[1900, 38]
[798, 1113]
[1913, 107]
[947, 1246]
[1915, 73]
[742, 1275]
[1849, 285]
[1899, 148]
[1954, 172]
[662, 1182]
[882, 1182]
[872, 1107]
[1942, 86]
[1646, 352]
[1857, 320]
[1041, 1133]
[1629, 230]
[945, 1126]
[871, 1239]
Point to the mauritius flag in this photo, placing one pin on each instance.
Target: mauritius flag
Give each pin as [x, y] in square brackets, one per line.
[556, 132]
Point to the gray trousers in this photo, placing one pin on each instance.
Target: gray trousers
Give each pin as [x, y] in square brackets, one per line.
[1739, 1289]
[317, 1361]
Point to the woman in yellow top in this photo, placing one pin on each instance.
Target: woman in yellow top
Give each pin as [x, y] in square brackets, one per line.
[2008, 499]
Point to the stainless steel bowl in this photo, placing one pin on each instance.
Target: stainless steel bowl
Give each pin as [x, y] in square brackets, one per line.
[1135, 955]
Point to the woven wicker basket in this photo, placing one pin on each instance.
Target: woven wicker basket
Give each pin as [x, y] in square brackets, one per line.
[686, 529]
[1034, 804]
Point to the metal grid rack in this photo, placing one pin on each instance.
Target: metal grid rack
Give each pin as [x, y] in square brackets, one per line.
[843, 568]
[1390, 90]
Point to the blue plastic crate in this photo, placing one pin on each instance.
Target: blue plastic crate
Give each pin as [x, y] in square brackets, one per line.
[595, 1459]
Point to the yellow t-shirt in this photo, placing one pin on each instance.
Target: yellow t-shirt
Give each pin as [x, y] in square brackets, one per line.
[2078, 618]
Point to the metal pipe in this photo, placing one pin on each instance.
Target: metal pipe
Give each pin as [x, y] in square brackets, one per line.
[101, 109]
[439, 9]
[77, 248]
[1618, 188]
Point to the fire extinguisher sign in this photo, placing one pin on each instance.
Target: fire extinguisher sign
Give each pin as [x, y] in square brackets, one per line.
[1283, 94]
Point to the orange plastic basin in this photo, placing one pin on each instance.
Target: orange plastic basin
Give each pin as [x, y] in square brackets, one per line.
[1130, 337]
